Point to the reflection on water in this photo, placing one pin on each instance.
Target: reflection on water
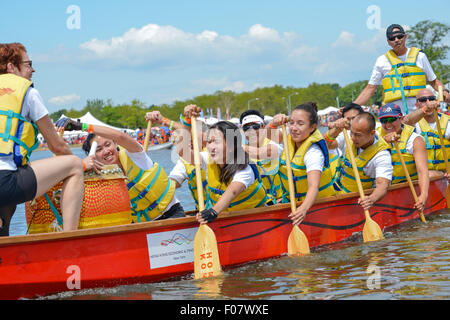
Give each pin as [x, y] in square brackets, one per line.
[413, 262]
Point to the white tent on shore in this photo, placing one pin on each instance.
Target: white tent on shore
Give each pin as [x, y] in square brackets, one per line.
[90, 119]
[327, 110]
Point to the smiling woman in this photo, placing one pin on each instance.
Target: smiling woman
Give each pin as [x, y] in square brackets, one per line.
[152, 193]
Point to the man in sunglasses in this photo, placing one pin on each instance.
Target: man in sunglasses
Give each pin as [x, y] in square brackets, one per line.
[426, 126]
[402, 72]
[263, 151]
[411, 145]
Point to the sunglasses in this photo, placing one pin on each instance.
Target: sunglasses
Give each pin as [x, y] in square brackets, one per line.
[388, 120]
[399, 37]
[29, 62]
[425, 99]
[254, 126]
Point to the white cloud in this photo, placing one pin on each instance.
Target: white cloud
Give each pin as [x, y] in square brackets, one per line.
[64, 100]
[236, 86]
[259, 32]
[165, 46]
[345, 39]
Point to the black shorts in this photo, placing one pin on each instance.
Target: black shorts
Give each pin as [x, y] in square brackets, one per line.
[176, 211]
[17, 186]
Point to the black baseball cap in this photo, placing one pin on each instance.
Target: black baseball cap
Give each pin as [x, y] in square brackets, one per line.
[390, 32]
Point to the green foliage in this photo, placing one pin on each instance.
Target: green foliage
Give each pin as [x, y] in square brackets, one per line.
[428, 36]
[270, 102]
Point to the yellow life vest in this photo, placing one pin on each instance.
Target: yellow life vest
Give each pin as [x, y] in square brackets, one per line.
[346, 181]
[254, 196]
[299, 169]
[405, 79]
[433, 143]
[398, 174]
[192, 181]
[18, 136]
[150, 190]
[268, 171]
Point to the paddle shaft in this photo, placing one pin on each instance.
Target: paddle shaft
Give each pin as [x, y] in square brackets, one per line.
[297, 241]
[198, 174]
[147, 136]
[439, 129]
[408, 177]
[289, 170]
[355, 170]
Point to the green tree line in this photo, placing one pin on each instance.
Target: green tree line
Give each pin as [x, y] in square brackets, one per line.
[270, 102]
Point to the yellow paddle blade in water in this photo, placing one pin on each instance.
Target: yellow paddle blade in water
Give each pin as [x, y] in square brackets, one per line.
[206, 255]
[371, 230]
[297, 242]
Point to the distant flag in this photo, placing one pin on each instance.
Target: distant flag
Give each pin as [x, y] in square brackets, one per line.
[211, 112]
[227, 111]
[202, 115]
[207, 112]
[219, 114]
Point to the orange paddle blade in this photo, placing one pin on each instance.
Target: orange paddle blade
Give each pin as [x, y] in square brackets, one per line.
[297, 242]
[206, 255]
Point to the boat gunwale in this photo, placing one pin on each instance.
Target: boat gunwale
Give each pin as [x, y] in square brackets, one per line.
[150, 225]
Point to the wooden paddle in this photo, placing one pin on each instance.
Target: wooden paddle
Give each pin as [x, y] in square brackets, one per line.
[297, 242]
[371, 230]
[147, 135]
[441, 138]
[206, 254]
[411, 186]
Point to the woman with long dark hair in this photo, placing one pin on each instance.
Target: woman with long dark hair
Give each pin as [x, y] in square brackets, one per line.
[232, 182]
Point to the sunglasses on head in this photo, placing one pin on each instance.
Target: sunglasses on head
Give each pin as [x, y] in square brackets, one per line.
[254, 126]
[399, 37]
[425, 99]
[388, 120]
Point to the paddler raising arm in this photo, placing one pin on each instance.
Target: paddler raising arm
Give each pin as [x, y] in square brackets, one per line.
[152, 193]
[184, 169]
[372, 157]
[265, 153]
[310, 159]
[411, 145]
[232, 183]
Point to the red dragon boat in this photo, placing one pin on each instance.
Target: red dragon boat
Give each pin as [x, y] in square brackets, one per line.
[42, 264]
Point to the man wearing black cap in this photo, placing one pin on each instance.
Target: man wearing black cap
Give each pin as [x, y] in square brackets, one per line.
[402, 72]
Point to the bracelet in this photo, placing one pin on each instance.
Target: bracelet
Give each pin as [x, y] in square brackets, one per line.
[272, 126]
[84, 126]
[90, 128]
[84, 166]
[328, 137]
[185, 122]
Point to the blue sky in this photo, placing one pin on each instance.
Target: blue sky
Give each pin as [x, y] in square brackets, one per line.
[161, 51]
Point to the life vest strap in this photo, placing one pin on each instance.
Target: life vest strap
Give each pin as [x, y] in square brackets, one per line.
[151, 206]
[54, 210]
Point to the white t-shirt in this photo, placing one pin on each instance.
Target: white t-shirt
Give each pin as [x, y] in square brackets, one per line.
[409, 148]
[383, 66]
[33, 109]
[314, 159]
[179, 174]
[143, 161]
[380, 166]
[433, 126]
